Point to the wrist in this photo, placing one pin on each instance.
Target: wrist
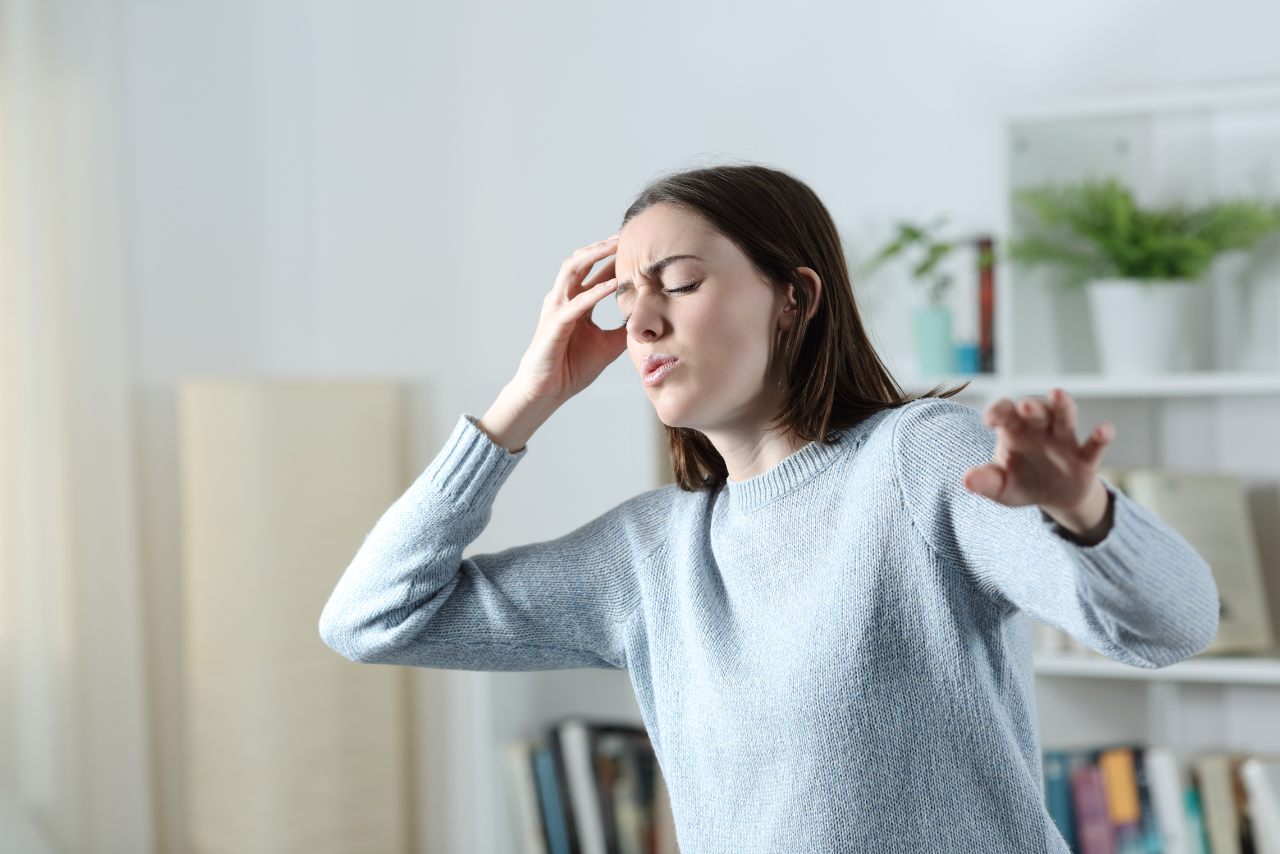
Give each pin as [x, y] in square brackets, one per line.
[514, 417]
[1090, 520]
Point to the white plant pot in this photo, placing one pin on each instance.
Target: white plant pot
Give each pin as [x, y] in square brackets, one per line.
[1149, 327]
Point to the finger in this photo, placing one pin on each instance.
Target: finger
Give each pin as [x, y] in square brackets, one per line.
[581, 305]
[1001, 413]
[987, 480]
[602, 273]
[1096, 445]
[576, 266]
[1035, 412]
[1065, 413]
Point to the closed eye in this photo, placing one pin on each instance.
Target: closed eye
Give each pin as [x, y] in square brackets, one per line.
[626, 296]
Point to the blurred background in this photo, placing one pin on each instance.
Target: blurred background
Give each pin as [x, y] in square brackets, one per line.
[207, 207]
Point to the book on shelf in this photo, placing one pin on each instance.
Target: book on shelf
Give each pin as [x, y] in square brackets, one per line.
[986, 304]
[1211, 513]
[1261, 778]
[1136, 800]
[590, 788]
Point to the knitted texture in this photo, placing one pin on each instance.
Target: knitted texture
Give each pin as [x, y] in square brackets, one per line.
[832, 656]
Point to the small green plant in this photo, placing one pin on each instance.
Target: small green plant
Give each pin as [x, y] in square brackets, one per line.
[1095, 229]
[923, 241]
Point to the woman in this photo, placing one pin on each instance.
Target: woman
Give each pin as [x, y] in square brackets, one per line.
[824, 624]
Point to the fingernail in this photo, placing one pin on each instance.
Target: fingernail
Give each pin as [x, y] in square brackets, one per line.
[611, 241]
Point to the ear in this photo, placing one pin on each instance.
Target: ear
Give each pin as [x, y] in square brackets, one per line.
[812, 283]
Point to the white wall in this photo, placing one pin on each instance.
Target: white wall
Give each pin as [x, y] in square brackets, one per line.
[387, 188]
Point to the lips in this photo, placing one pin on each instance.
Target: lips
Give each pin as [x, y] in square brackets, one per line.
[655, 367]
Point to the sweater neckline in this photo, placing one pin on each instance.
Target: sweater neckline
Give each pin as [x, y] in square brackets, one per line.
[797, 469]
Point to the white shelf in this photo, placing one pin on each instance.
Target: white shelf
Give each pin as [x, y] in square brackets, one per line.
[1094, 387]
[1227, 671]
[1196, 384]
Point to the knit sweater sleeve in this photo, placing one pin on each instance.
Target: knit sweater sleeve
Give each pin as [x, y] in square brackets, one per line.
[409, 597]
[1142, 596]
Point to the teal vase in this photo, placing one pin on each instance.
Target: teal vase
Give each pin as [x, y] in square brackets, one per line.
[933, 341]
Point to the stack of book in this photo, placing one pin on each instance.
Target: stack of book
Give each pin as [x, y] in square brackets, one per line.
[590, 788]
[1134, 800]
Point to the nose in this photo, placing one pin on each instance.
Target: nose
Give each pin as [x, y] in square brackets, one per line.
[646, 322]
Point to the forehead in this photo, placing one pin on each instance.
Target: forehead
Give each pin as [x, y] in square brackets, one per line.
[665, 230]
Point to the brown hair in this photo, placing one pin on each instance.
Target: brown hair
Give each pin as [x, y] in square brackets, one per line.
[834, 378]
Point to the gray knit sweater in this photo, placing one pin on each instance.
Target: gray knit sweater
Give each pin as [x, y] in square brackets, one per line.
[832, 656]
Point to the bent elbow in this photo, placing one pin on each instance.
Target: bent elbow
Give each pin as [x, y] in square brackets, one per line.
[340, 635]
[1193, 630]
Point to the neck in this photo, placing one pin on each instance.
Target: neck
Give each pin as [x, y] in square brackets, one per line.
[752, 450]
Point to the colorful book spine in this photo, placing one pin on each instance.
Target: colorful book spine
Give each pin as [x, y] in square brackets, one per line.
[1057, 796]
[1094, 832]
[1197, 833]
[1149, 840]
[1121, 786]
[554, 816]
[986, 304]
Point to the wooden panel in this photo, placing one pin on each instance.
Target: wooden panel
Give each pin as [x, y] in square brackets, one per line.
[291, 748]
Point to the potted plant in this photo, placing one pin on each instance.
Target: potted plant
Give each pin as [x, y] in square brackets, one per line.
[932, 322]
[1142, 267]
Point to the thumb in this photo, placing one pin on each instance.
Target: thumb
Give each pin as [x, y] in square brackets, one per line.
[986, 480]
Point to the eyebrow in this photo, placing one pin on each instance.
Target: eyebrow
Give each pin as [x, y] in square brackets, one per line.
[655, 269]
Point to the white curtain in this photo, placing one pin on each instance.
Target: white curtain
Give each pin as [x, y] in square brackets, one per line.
[74, 765]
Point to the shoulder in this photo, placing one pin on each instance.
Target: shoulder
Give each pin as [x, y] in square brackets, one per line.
[928, 444]
[931, 426]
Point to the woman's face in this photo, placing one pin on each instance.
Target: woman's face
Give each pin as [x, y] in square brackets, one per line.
[702, 323]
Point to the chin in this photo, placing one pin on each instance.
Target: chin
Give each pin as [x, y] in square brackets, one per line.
[678, 411]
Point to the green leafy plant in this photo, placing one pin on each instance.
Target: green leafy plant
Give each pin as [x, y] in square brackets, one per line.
[930, 252]
[1095, 229]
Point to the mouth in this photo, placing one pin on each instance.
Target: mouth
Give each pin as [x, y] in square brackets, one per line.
[655, 368]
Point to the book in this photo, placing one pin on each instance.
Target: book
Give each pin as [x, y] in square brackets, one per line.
[579, 772]
[1120, 782]
[986, 304]
[1165, 783]
[626, 772]
[1197, 834]
[598, 789]
[1218, 801]
[1261, 780]
[1211, 512]
[561, 788]
[1150, 840]
[1094, 833]
[1057, 796]
[524, 790]
[553, 807]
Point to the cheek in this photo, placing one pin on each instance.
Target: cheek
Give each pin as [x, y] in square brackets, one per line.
[734, 341]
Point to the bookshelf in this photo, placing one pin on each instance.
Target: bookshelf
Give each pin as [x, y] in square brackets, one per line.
[1192, 146]
[1209, 670]
[1205, 384]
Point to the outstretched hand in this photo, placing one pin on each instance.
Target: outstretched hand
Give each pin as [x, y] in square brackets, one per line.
[1038, 460]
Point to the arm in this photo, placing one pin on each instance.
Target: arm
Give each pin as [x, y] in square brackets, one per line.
[410, 598]
[1140, 594]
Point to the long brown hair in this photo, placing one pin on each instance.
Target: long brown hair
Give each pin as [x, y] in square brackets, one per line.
[834, 378]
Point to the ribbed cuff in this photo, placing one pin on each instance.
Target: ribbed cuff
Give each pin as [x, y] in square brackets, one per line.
[1070, 537]
[470, 467]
